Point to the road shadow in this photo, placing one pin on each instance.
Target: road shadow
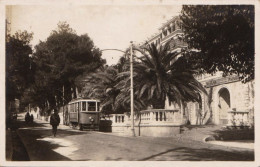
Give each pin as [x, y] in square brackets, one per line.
[42, 133]
[23, 124]
[19, 152]
[234, 134]
[30, 143]
[205, 154]
[41, 150]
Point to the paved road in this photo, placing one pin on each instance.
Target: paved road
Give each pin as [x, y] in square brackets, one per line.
[96, 146]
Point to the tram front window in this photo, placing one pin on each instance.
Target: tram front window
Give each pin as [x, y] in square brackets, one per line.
[91, 106]
[83, 106]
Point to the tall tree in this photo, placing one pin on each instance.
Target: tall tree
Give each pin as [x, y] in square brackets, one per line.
[60, 59]
[221, 38]
[18, 67]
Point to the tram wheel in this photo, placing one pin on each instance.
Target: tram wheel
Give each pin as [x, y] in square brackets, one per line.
[70, 125]
[80, 127]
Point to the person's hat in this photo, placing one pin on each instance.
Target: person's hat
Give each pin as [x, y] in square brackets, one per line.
[55, 109]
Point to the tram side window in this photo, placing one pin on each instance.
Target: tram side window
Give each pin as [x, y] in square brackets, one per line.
[71, 108]
[83, 106]
[79, 105]
[98, 106]
[91, 106]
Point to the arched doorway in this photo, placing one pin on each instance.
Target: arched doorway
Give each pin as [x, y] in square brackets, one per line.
[224, 105]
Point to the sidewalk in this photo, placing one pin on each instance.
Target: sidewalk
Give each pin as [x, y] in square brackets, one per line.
[9, 145]
[202, 133]
[15, 149]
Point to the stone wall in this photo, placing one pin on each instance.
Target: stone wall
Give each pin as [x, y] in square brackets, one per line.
[241, 99]
[149, 130]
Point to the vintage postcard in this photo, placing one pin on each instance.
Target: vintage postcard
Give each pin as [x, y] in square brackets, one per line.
[143, 83]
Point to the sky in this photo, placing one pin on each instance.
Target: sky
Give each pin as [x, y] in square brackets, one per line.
[109, 26]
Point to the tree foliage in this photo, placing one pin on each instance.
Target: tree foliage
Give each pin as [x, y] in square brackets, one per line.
[102, 85]
[106, 84]
[160, 74]
[221, 38]
[18, 67]
[59, 61]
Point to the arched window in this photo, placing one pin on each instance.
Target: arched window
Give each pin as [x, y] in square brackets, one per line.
[165, 33]
[169, 29]
[173, 27]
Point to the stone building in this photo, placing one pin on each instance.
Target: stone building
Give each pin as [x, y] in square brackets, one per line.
[8, 20]
[229, 101]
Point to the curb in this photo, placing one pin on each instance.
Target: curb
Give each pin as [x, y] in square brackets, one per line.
[209, 138]
[8, 145]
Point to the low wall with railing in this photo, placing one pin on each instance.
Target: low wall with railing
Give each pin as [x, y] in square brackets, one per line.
[238, 118]
[154, 122]
[118, 123]
[159, 117]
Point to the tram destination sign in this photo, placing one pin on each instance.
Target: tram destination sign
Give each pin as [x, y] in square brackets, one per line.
[222, 80]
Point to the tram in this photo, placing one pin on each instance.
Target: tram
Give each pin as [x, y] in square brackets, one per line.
[84, 113]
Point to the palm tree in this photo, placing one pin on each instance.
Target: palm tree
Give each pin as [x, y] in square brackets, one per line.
[160, 74]
[102, 85]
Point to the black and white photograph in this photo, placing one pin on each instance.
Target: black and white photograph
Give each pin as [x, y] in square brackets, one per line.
[126, 81]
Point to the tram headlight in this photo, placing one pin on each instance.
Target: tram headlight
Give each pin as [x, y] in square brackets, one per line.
[91, 119]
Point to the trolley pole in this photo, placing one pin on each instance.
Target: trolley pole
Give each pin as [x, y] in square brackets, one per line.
[132, 90]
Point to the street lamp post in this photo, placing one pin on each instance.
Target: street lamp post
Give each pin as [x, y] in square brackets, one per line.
[132, 90]
[131, 86]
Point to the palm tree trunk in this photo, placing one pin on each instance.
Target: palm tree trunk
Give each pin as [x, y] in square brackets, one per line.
[182, 111]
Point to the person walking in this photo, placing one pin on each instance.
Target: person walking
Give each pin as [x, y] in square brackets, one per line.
[27, 117]
[55, 121]
[31, 118]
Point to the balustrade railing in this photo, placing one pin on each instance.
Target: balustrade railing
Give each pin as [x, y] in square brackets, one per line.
[158, 116]
[149, 117]
[238, 118]
[118, 119]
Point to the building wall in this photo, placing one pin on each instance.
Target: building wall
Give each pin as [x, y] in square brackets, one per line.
[241, 99]
[8, 11]
[170, 31]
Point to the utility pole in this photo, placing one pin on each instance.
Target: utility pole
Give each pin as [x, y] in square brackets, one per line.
[132, 90]
[63, 105]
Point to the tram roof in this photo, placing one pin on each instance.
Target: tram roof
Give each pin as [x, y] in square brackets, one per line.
[84, 99]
